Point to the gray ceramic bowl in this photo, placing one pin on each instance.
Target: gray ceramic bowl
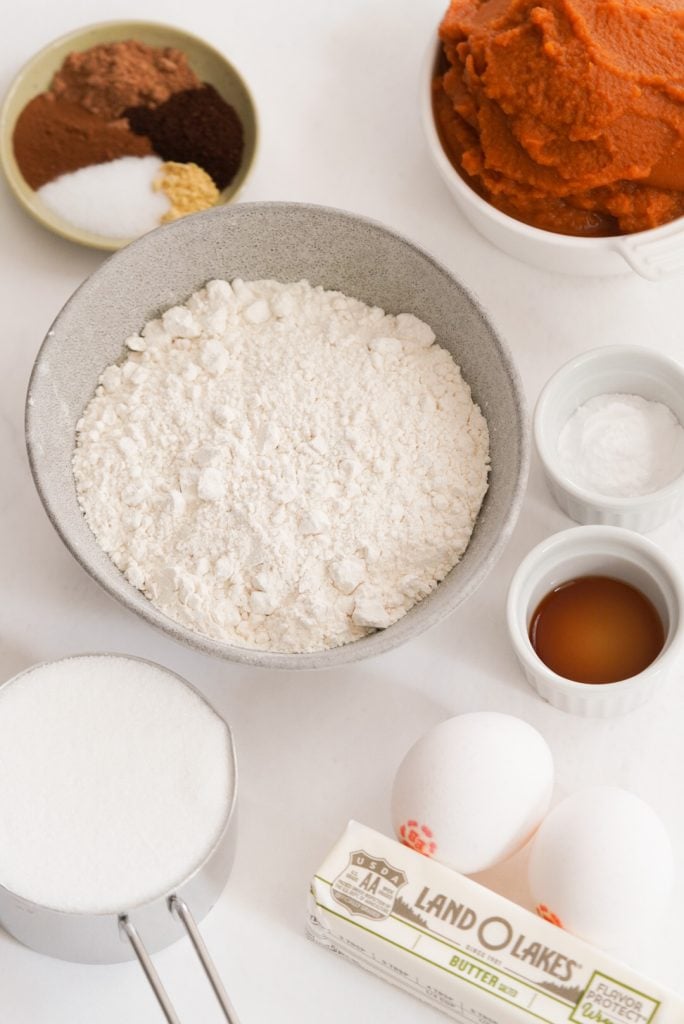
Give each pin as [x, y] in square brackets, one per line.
[285, 241]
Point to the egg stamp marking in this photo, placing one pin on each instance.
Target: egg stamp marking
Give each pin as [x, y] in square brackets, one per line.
[418, 837]
[548, 915]
[368, 886]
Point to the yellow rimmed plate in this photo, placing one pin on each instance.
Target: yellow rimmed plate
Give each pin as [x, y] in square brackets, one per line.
[209, 64]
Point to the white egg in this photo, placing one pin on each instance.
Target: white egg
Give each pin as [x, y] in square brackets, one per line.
[473, 790]
[602, 865]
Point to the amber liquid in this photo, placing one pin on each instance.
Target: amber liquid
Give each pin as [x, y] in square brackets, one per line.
[596, 629]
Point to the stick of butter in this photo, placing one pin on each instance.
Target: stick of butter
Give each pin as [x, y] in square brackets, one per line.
[464, 949]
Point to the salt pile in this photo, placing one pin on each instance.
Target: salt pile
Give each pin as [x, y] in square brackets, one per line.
[115, 199]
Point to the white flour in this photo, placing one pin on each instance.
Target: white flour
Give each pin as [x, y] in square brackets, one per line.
[115, 781]
[282, 467]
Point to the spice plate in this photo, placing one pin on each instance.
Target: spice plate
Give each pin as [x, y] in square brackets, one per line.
[209, 64]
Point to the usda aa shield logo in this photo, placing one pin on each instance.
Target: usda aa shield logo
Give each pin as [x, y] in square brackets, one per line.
[368, 886]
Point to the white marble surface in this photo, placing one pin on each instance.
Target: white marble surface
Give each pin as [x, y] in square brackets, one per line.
[336, 86]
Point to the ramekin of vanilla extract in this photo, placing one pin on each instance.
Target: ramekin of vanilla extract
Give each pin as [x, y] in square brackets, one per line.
[596, 629]
[595, 616]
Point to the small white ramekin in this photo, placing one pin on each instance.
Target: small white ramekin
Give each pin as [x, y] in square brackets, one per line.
[614, 369]
[654, 254]
[595, 551]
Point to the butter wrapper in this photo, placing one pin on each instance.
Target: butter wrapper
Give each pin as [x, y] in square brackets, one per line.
[466, 950]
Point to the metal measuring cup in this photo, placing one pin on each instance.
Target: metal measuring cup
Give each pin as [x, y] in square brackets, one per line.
[105, 938]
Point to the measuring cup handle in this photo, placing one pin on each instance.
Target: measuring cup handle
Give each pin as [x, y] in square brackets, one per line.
[129, 930]
[179, 909]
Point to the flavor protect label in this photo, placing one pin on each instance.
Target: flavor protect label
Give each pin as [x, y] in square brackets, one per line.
[610, 1002]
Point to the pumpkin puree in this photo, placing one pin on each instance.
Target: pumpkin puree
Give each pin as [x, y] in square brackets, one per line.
[567, 114]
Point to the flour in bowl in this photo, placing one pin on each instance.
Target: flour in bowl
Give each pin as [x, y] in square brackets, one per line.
[282, 467]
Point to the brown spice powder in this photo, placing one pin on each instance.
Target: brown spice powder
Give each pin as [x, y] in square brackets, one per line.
[54, 137]
[108, 78]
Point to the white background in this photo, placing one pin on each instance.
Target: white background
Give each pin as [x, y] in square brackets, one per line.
[336, 86]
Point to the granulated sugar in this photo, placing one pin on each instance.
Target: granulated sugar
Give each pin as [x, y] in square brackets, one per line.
[282, 467]
[115, 781]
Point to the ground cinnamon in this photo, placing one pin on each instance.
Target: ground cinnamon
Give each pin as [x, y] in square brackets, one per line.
[53, 137]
